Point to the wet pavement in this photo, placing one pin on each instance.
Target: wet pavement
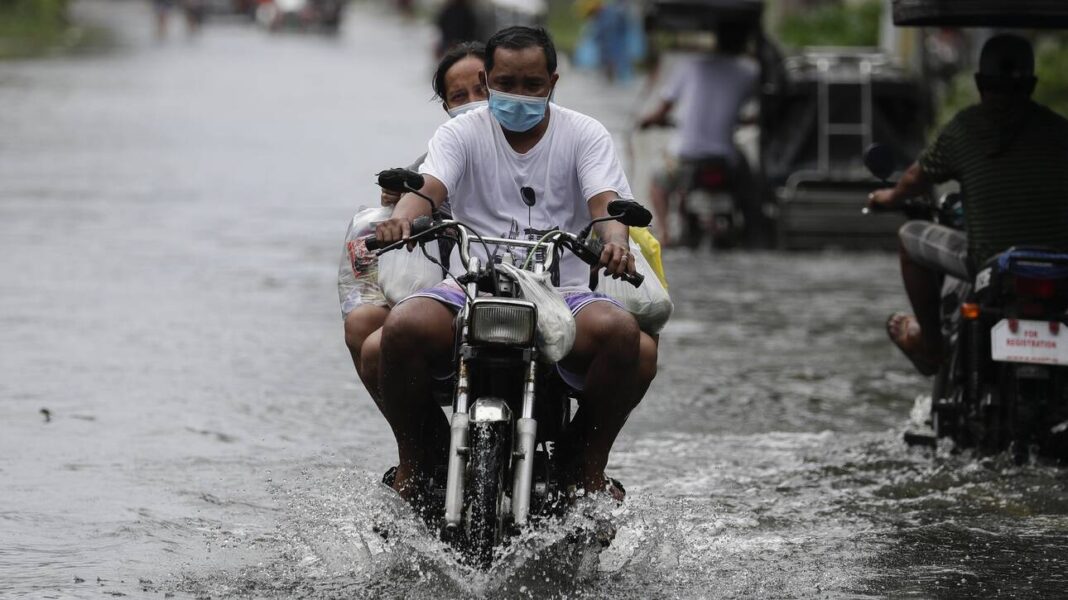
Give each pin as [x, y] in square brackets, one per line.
[170, 220]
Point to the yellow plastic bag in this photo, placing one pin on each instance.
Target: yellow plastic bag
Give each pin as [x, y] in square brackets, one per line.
[650, 250]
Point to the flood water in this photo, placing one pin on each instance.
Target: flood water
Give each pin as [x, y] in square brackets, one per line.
[179, 416]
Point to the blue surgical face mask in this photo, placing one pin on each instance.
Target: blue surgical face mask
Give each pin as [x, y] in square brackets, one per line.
[517, 113]
[464, 108]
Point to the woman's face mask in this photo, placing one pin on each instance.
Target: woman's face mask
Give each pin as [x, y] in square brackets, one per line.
[517, 113]
[464, 108]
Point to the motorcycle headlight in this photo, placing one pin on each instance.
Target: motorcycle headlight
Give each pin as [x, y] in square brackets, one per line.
[494, 321]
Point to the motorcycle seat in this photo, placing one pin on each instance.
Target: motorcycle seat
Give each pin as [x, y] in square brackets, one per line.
[1032, 261]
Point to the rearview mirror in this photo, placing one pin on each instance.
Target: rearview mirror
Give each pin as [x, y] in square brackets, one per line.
[879, 159]
[630, 213]
[400, 180]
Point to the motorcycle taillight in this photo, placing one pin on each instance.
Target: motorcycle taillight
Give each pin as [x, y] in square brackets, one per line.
[711, 178]
[1039, 289]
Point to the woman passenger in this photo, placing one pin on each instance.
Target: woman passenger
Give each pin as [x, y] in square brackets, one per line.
[457, 85]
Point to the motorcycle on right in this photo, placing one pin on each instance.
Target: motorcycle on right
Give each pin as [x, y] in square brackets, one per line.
[1004, 383]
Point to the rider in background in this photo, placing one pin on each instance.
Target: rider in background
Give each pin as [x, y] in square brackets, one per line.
[457, 22]
[709, 90]
[456, 82]
[193, 10]
[1010, 156]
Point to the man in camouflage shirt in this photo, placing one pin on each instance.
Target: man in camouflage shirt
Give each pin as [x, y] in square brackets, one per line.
[1010, 156]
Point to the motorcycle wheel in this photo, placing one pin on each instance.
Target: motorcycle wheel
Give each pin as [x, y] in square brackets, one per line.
[487, 468]
[947, 412]
[724, 233]
[692, 232]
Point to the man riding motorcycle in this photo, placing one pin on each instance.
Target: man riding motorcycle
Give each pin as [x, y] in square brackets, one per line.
[1010, 156]
[709, 91]
[484, 162]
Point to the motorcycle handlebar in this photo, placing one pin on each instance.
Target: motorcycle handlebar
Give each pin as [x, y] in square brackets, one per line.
[419, 225]
[913, 208]
[588, 252]
[371, 243]
[666, 123]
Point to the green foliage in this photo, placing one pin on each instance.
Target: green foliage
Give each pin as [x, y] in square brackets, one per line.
[564, 24]
[32, 14]
[959, 94]
[833, 24]
[29, 26]
[1051, 54]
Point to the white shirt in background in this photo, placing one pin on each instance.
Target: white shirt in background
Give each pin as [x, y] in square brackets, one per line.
[708, 91]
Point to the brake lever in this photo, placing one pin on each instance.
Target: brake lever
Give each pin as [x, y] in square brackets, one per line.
[419, 227]
[910, 207]
[591, 249]
[374, 245]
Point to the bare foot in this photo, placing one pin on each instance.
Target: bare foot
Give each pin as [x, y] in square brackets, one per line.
[407, 484]
[600, 483]
[904, 330]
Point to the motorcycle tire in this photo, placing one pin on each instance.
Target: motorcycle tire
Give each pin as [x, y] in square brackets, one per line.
[693, 231]
[724, 233]
[947, 411]
[996, 418]
[487, 469]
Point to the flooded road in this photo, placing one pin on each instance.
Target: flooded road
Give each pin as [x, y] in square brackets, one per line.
[179, 416]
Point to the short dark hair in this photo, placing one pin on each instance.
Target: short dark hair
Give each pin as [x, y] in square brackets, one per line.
[519, 37]
[1006, 64]
[732, 38]
[454, 55]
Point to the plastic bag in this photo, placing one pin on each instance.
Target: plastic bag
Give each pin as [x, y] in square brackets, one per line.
[650, 250]
[556, 325]
[402, 273]
[649, 303]
[357, 273]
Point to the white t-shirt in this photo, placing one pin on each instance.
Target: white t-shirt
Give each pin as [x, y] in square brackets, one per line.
[709, 91]
[574, 161]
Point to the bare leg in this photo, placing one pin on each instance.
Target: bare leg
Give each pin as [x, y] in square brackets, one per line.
[370, 364]
[161, 22]
[417, 336]
[360, 324]
[648, 351]
[660, 199]
[924, 289]
[608, 347]
[647, 366]
[192, 19]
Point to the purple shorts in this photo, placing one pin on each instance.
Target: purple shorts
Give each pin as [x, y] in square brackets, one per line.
[449, 294]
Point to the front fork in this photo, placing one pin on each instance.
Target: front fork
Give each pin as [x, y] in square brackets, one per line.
[526, 429]
[454, 486]
[459, 426]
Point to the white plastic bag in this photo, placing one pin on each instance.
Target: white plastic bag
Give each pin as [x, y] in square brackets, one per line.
[402, 273]
[357, 273]
[556, 325]
[649, 303]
